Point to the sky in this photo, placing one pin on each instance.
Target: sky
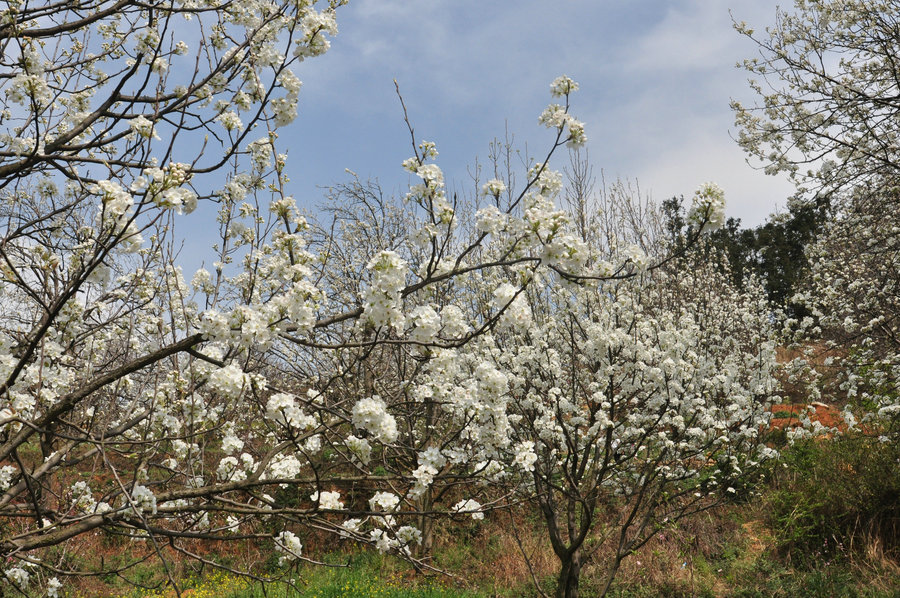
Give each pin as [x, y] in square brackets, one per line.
[656, 79]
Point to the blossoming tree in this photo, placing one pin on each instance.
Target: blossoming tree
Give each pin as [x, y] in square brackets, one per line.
[638, 405]
[827, 115]
[827, 87]
[631, 399]
[852, 293]
[193, 404]
[118, 116]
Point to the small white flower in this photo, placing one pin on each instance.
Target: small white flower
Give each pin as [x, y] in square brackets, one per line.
[143, 126]
[371, 414]
[708, 207]
[384, 501]
[328, 500]
[469, 506]
[493, 187]
[289, 545]
[563, 86]
[230, 120]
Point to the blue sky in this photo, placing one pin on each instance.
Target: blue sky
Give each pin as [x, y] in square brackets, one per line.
[656, 78]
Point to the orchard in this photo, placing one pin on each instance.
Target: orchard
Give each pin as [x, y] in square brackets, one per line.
[388, 368]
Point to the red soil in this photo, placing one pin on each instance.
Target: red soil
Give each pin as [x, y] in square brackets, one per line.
[788, 415]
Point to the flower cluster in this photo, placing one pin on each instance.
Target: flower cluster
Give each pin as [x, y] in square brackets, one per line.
[283, 409]
[370, 414]
[288, 544]
[384, 501]
[469, 506]
[359, 448]
[381, 301]
[230, 381]
[490, 220]
[562, 86]
[143, 499]
[430, 463]
[230, 469]
[143, 127]
[556, 116]
[165, 186]
[230, 120]
[708, 208]
[512, 303]
[426, 323]
[7, 474]
[525, 457]
[327, 500]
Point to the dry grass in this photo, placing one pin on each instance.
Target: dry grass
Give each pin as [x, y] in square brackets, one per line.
[714, 554]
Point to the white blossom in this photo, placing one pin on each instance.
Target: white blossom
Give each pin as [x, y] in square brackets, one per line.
[330, 500]
[359, 448]
[382, 305]
[371, 414]
[143, 127]
[469, 506]
[426, 323]
[143, 499]
[563, 86]
[525, 457]
[384, 501]
[17, 576]
[53, 586]
[708, 207]
[231, 121]
[7, 473]
[289, 546]
[493, 187]
[230, 381]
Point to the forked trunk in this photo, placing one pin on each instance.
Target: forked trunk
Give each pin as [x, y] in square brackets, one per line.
[569, 575]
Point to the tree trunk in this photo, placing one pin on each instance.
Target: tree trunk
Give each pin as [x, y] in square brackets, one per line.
[612, 574]
[569, 575]
[426, 524]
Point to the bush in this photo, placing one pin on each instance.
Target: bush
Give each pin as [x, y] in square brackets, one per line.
[836, 497]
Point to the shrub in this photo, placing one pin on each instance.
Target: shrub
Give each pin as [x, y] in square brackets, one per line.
[836, 497]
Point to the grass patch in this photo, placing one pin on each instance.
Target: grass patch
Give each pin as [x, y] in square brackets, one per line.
[836, 498]
[367, 575]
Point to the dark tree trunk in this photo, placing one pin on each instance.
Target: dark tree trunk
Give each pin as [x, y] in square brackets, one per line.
[569, 575]
[426, 524]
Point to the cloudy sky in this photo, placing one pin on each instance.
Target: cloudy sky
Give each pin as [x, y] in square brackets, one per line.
[656, 78]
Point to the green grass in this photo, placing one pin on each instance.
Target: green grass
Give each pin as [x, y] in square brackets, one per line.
[770, 578]
[785, 415]
[367, 575]
[738, 552]
[363, 579]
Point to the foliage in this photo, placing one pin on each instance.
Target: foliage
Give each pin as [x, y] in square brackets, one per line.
[727, 552]
[362, 578]
[837, 498]
[773, 253]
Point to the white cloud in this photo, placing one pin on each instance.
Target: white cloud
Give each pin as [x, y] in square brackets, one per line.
[678, 170]
[656, 79]
[693, 35]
